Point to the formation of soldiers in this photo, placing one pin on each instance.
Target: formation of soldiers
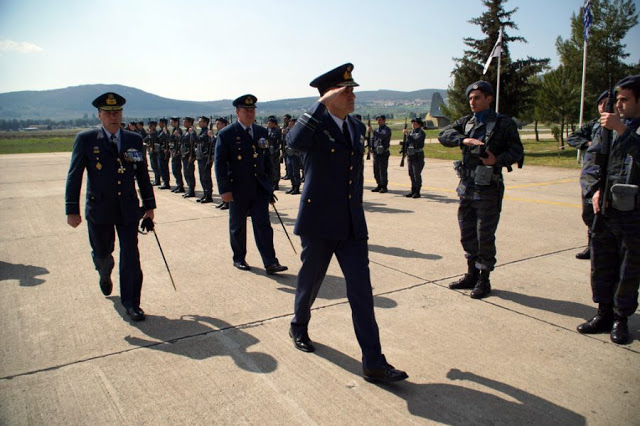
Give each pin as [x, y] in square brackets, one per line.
[173, 149]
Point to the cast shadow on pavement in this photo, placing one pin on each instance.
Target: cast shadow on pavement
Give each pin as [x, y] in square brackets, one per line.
[201, 337]
[425, 196]
[333, 288]
[374, 207]
[459, 405]
[26, 274]
[400, 252]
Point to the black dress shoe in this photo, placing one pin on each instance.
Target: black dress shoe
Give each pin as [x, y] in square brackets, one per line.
[165, 187]
[220, 205]
[467, 282]
[275, 268]
[597, 324]
[620, 331]
[416, 195]
[207, 200]
[179, 190]
[225, 206]
[481, 290]
[585, 254]
[106, 285]
[189, 194]
[376, 189]
[302, 343]
[136, 314]
[409, 195]
[242, 266]
[384, 374]
[383, 190]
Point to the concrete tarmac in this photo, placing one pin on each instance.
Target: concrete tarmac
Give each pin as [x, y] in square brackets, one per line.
[217, 350]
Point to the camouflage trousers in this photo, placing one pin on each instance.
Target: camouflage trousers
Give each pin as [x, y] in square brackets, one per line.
[478, 221]
[615, 261]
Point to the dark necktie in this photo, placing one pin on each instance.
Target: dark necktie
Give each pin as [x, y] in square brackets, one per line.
[114, 141]
[345, 132]
[249, 133]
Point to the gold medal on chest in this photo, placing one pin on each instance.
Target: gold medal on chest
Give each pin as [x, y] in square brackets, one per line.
[255, 155]
[99, 166]
[239, 157]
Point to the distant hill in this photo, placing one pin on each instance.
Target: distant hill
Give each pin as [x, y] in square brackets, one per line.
[75, 102]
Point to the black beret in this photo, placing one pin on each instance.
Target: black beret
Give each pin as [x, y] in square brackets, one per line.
[337, 77]
[152, 122]
[133, 122]
[174, 118]
[482, 86]
[245, 101]
[273, 119]
[204, 118]
[141, 122]
[629, 82]
[417, 120]
[163, 120]
[189, 119]
[109, 102]
[358, 117]
[384, 117]
[222, 120]
[602, 96]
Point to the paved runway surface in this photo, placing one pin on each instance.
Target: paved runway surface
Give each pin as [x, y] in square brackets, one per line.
[217, 350]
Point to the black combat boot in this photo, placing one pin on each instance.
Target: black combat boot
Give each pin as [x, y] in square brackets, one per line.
[620, 330]
[469, 280]
[207, 198]
[409, 195]
[483, 287]
[295, 190]
[190, 193]
[601, 323]
[376, 189]
[416, 194]
[586, 253]
[384, 189]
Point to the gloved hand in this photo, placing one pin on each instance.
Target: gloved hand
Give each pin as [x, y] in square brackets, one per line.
[273, 198]
[146, 225]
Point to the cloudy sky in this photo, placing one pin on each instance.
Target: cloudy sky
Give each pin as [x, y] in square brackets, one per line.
[210, 50]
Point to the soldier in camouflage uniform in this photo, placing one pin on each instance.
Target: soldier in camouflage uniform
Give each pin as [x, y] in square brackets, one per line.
[176, 155]
[615, 240]
[221, 123]
[381, 141]
[150, 141]
[489, 142]
[163, 153]
[204, 155]
[582, 139]
[275, 143]
[414, 150]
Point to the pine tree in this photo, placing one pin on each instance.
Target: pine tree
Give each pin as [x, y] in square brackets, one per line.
[612, 20]
[516, 91]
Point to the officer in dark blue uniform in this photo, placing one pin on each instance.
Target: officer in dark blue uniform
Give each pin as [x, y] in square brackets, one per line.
[381, 141]
[275, 146]
[204, 155]
[615, 240]
[294, 164]
[489, 142]
[331, 216]
[414, 150]
[176, 154]
[243, 172]
[164, 153]
[114, 161]
[582, 139]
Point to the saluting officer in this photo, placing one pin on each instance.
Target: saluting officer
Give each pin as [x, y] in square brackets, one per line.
[176, 154]
[381, 141]
[331, 216]
[164, 153]
[114, 161]
[151, 142]
[204, 155]
[489, 142]
[275, 144]
[414, 150]
[243, 172]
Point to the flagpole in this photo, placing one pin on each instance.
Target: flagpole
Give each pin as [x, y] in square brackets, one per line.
[584, 80]
[498, 82]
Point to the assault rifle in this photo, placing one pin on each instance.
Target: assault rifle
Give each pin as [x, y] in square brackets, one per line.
[368, 138]
[602, 160]
[403, 150]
